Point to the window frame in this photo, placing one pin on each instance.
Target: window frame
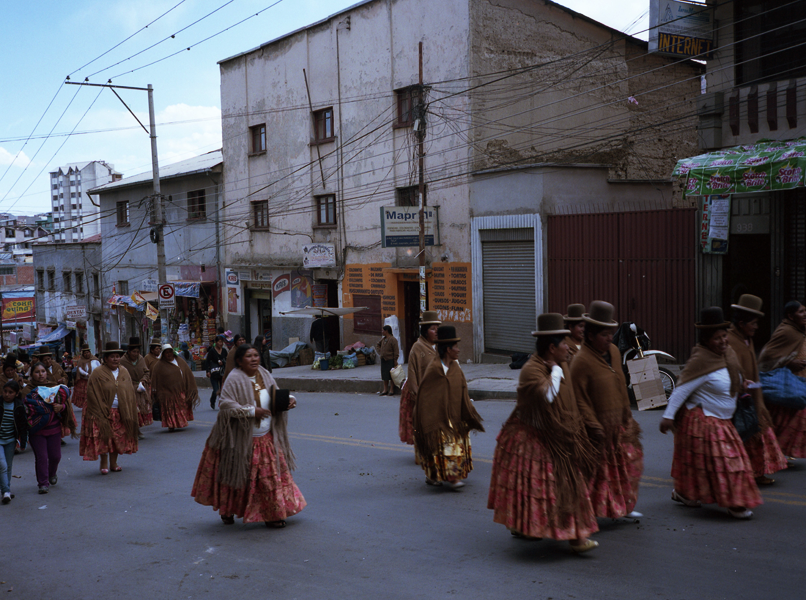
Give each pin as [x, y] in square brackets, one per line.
[257, 133]
[412, 191]
[323, 116]
[79, 287]
[404, 118]
[7, 271]
[260, 215]
[122, 285]
[318, 204]
[40, 280]
[67, 282]
[197, 199]
[51, 281]
[96, 284]
[120, 206]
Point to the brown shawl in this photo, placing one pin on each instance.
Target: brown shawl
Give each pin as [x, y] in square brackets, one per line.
[443, 408]
[150, 360]
[86, 364]
[55, 372]
[101, 389]
[232, 433]
[561, 430]
[140, 374]
[746, 355]
[601, 392]
[703, 361]
[783, 346]
[420, 356]
[573, 349]
[172, 385]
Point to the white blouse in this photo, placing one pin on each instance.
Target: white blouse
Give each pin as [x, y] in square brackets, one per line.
[262, 428]
[711, 392]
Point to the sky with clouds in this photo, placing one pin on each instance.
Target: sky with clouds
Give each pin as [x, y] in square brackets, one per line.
[47, 124]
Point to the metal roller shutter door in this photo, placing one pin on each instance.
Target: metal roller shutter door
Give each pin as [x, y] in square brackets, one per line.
[508, 279]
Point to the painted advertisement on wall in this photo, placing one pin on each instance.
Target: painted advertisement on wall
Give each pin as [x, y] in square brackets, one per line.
[233, 292]
[18, 309]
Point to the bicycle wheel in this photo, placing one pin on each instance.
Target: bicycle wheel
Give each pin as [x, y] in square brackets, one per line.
[669, 381]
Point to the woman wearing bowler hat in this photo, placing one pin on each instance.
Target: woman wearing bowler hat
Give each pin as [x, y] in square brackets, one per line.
[710, 463]
[543, 457]
[575, 325]
[763, 449]
[141, 380]
[84, 366]
[601, 392]
[444, 417]
[420, 356]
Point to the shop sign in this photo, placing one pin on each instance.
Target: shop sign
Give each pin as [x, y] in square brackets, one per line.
[149, 285]
[261, 275]
[715, 224]
[281, 284]
[18, 309]
[682, 29]
[76, 313]
[317, 256]
[400, 226]
[70, 324]
[233, 281]
[319, 291]
[259, 285]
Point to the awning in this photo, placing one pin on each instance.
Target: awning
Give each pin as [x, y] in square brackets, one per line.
[55, 335]
[324, 311]
[188, 289]
[765, 165]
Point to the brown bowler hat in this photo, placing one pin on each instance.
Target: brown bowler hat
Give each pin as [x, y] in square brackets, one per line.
[112, 348]
[430, 317]
[712, 318]
[600, 313]
[551, 324]
[749, 303]
[575, 312]
[446, 334]
[155, 341]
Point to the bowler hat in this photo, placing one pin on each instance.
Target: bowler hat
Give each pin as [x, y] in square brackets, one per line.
[155, 341]
[712, 318]
[42, 352]
[600, 313]
[112, 348]
[575, 312]
[430, 317]
[749, 303]
[446, 334]
[85, 347]
[134, 342]
[551, 324]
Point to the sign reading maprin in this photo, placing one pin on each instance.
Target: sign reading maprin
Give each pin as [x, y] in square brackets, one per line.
[681, 28]
[400, 226]
[18, 310]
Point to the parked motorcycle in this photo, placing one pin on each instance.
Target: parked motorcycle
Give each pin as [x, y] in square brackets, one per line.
[633, 342]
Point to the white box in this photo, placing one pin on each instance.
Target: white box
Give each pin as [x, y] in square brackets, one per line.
[646, 383]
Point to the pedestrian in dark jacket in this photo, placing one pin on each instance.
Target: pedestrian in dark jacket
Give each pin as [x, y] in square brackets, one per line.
[389, 351]
[214, 364]
[13, 427]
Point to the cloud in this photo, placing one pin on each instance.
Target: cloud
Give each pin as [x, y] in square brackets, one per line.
[6, 158]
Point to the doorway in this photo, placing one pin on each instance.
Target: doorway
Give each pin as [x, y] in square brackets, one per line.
[411, 316]
[332, 324]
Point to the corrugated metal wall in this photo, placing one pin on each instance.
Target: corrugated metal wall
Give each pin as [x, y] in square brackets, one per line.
[642, 262]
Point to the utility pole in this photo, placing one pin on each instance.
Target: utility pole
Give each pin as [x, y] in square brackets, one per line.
[158, 214]
[421, 162]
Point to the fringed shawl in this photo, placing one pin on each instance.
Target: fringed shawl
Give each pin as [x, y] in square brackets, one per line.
[86, 364]
[150, 360]
[232, 432]
[174, 385]
[140, 374]
[783, 346]
[704, 361]
[443, 409]
[101, 389]
[746, 355]
[561, 430]
[602, 389]
[420, 356]
[230, 364]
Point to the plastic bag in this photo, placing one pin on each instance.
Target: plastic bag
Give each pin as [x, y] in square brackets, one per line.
[350, 361]
[784, 388]
[398, 375]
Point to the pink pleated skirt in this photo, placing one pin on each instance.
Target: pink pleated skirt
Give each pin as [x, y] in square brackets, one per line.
[92, 445]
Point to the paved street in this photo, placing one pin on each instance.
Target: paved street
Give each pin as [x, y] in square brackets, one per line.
[372, 528]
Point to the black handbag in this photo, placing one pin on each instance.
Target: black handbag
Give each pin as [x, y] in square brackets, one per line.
[156, 411]
[745, 419]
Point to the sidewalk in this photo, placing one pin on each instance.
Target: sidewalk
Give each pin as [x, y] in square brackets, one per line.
[484, 381]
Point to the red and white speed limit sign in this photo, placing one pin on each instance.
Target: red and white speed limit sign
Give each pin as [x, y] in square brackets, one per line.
[167, 295]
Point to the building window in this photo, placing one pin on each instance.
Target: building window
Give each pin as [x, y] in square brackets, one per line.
[197, 205]
[123, 213]
[408, 196]
[323, 125]
[73, 206]
[67, 281]
[123, 288]
[326, 210]
[6, 270]
[28, 233]
[257, 133]
[40, 281]
[51, 281]
[407, 100]
[10, 233]
[260, 213]
[79, 282]
[96, 285]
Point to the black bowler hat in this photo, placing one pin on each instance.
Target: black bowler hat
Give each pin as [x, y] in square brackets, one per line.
[446, 334]
[712, 318]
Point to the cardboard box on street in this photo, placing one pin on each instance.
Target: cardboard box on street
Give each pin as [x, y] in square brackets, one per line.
[646, 383]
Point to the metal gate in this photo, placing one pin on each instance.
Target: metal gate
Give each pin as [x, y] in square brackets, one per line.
[642, 262]
[508, 278]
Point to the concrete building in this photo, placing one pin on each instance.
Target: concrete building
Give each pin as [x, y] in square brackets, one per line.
[528, 109]
[191, 202]
[756, 79]
[68, 291]
[76, 214]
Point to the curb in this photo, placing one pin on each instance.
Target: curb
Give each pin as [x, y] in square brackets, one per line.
[348, 386]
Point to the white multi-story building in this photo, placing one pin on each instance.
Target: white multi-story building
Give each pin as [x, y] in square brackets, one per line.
[76, 214]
